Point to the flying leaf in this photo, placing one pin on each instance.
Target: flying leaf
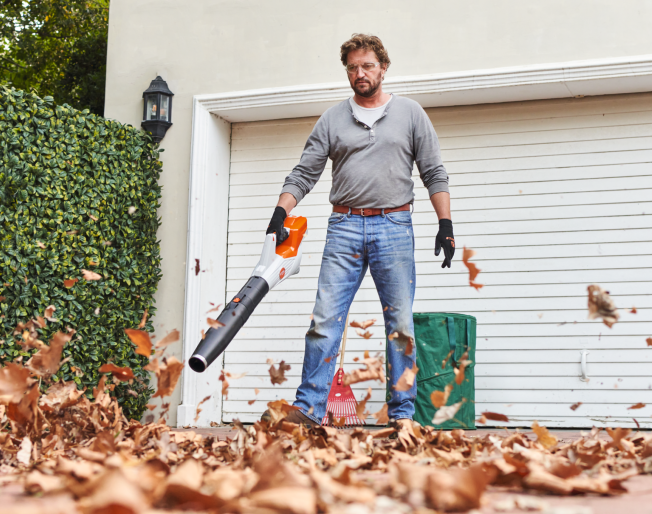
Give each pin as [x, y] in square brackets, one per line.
[374, 370]
[473, 269]
[14, 381]
[459, 372]
[213, 323]
[278, 374]
[494, 416]
[49, 313]
[602, 306]
[141, 340]
[70, 282]
[364, 325]
[544, 437]
[439, 398]
[636, 406]
[366, 334]
[170, 338]
[633, 311]
[168, 375]
[225, 385]
[91, 275]
[381, 416]
[361, 407]
[122, 374]
[214, 309]
[199, 405]
[575, 406]
[649, 341]
[446, 413]
[47, 360]
[143, 320]
[406, 380]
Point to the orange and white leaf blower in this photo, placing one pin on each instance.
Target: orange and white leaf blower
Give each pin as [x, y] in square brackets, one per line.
[276, 264]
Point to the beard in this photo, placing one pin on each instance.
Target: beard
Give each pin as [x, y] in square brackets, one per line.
[366, 87]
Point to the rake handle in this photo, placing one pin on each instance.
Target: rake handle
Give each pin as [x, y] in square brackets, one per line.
[346, 327]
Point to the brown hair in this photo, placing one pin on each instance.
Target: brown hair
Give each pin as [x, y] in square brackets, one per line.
[365, 42]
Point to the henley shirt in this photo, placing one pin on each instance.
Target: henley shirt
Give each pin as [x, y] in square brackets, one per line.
[372, 166]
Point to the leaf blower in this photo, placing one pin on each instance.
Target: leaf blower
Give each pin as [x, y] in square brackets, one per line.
[276, 264]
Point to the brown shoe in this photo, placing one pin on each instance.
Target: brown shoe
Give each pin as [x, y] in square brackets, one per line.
[298, 417]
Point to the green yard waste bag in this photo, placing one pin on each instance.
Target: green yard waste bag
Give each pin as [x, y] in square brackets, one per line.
[437, 334]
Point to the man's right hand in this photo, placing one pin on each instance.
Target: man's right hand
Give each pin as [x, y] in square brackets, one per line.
[276, 225]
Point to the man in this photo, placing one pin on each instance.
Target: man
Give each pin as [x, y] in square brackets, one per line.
[373, 139]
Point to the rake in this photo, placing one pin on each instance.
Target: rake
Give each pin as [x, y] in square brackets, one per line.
[341, 401]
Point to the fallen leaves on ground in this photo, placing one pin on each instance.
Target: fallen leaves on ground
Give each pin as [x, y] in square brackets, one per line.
[63, 452]
[602, 306]
[473, 269]
[374, 370]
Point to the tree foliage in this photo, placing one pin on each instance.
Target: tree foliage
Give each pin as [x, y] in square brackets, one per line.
[56, 48]
[78, 192]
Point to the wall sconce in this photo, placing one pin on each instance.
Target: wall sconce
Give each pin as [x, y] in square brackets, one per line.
[157, 109]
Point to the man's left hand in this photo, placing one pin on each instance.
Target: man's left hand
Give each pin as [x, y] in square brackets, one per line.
[445, 240]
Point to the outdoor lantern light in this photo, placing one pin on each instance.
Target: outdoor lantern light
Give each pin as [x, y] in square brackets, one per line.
[157, 109]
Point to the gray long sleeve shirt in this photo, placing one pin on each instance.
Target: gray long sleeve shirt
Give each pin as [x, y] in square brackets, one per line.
[372, 166]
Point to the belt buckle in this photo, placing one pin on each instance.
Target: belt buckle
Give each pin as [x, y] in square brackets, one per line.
[362, 212]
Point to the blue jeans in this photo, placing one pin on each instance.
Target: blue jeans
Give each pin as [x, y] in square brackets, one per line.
[385, 245]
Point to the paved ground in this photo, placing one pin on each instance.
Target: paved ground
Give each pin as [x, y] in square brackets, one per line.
[637, 501]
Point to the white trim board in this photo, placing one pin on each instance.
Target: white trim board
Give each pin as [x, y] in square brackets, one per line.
[520, 83]
[210, 163]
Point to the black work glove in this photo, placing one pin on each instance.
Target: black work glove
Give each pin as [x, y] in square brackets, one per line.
[446, 240]
[276, 225]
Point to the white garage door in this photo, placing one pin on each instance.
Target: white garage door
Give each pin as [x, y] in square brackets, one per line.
[553, 196]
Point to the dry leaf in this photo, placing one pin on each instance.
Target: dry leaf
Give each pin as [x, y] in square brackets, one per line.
[459, 372]
[361, 407]
[278, 374]
[381, 416]
[170, 338]
[213, 323]
[544, 437]
[91, 275]
[439, 398]
[280, 409]
[168, 376]
[602, 306]
[122, 374]
[458, 490]
[406, 380]
[24, 455]
[141, 340]
[633, 311]
[363, 325]
[48, 359]
[374, 370]
[70, 282]
[473, 269]
[636, 406]
[366, 334]
[575, 406]
[494, 416]
[446, 413]
[143, 320]
[214, 309]
[225, 385]
[199, 405]
[49, 313]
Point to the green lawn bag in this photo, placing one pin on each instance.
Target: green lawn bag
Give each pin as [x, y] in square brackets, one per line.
[436, 335]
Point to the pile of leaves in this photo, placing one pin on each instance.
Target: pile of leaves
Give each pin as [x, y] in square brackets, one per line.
[78, 218]
[62, 452]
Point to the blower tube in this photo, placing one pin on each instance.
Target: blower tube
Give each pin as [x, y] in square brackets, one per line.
[234, 315]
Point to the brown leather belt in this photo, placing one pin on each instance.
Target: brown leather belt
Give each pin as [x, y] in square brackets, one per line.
[369, 212]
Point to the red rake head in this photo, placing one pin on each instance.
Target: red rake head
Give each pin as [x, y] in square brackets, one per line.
[341, 403]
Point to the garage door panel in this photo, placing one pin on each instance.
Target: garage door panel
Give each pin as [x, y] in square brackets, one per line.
[551, 194]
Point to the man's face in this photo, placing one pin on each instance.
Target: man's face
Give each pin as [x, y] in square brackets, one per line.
[365, 83]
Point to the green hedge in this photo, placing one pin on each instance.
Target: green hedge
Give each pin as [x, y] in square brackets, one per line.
[69, 183]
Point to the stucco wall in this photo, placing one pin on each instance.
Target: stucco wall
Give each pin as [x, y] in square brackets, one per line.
[211, 46]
